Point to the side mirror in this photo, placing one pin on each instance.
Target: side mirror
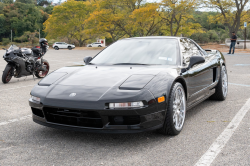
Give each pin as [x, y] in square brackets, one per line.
[194, 60]
[87, 60]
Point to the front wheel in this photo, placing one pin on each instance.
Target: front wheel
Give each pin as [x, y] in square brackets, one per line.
[7, 74]
[42, 74]
[70, 48]
[176, 111]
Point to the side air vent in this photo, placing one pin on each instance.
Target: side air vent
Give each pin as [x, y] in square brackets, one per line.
[214, 74]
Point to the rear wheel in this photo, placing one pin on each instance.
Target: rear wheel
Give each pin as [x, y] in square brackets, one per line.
[7, 74]
[222, 86]
[56, 48]
[99, 46]
[42, 74]
[176, 111]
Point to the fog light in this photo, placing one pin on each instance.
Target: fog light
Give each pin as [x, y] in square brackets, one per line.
[126, 105]
[36, 99]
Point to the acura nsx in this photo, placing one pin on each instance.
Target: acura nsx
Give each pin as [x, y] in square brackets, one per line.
[134, 85]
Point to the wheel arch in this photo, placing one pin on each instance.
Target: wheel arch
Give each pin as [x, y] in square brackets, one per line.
[183, 83]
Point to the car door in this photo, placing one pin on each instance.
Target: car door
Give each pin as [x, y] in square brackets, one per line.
[64, 45]
[199, 76]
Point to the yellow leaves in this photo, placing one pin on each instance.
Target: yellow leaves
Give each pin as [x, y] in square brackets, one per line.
[68, 20]
[120, 18]
[178, 16]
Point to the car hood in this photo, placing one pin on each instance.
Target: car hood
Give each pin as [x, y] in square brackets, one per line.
[95, 83]
[105, 76]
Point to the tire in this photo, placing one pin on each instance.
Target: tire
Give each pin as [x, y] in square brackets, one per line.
[221, 89]
[175, 110]
[7, 74]
[56, 48]
[99, 46]
[70, 48]
[42, 74]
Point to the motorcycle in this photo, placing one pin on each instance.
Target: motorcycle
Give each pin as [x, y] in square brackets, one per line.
[24, 62]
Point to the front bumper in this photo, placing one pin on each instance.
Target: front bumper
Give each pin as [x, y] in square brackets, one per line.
[152, 120]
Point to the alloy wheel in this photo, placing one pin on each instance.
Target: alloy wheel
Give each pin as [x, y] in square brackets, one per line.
[179, 108]
[44, 73]
[224, 81]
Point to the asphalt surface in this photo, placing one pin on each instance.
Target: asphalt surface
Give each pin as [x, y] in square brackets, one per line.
[23, 142]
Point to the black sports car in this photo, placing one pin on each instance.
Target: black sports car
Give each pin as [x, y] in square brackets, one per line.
[134, 85]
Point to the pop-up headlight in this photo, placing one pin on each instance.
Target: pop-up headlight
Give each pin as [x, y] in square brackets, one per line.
[51, 78]
[36, 99]
[136, 82]
[126, 105]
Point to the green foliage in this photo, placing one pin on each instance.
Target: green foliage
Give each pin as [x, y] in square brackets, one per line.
[213, 36]
[7, 1]
[202, 19]
[51, 42]
[48, 9]
[27, 1]
[22, 16]
[6, 41]
[2, 21]
[200, 37]
[43, 2]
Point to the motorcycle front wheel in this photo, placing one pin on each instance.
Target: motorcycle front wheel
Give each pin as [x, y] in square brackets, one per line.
[7, 74]
[42, 74]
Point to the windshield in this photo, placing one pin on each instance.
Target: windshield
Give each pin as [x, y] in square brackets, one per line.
[13, 47]
[140, 51]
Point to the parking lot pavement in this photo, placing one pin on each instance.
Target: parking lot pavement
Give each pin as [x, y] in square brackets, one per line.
[22, 142]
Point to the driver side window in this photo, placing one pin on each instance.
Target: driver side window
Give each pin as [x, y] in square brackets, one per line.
[188, 49]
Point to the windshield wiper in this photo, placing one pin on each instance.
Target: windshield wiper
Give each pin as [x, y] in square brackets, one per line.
[130, 64]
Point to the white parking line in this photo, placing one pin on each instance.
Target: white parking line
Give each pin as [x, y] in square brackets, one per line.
[14, 120]
[239, 84]
[223, 138]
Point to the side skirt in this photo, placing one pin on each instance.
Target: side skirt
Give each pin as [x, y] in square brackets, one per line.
[211, 92]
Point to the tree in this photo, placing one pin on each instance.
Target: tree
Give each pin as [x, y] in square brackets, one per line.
[27, 1]
[6, 41]
[2, 21]
[7, 1]
[43, 2]
[232, 13]
[21, 17]
[68, 20]
[28, 36]
[119, 18]
[147, 20]
[178, 18]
